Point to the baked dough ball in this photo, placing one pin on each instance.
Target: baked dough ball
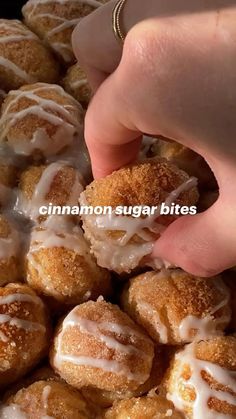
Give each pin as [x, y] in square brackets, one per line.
[201, 380]
[40, 120]
[143, 408]
[104, 398]
[76, 84]
[46, 399]
[100, 346]
[10, 267]
[55, 20]
[183, 157]
[24, 332]
[57, 184]
[123, 242]
[24, 59]
[187, 307]
[59, 263]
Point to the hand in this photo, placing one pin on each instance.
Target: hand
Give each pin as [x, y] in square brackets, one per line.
[175, 77]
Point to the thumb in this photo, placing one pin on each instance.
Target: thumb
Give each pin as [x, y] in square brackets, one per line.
[203, 244]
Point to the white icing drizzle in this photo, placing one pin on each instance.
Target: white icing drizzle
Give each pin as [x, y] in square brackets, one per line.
[17, 297]
[48, 110]
[27, 325]
[9, 246]
[15, 32]
[203, 391]
[31, 208]
[90, 327]
[78, 83]
[58, 231]
[14, 321]
[119, 254]
[12, 411]
[19, 72]
[207, 326]
[45, 395]
[94, 329]
[160, 327]
[64, 49]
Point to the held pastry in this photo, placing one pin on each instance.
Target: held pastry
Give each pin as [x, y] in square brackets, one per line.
[40, 120]
[10, 267]
[24, 332]
[176, 307]
[122, 242]
[201, 381]
[57, 184]
[100, 346]
[59, 263]
[54, 21]
[46, 399]
[24, 59]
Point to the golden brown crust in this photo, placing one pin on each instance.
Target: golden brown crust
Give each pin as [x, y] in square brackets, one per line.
[76, 84]
[28, 54]
[60, 40]
[24, 330]
[60, 187]
[105, 399]
[187, 160]
[23, 130]
[219, 352]
[143, 408]
[51, 399]
[10, 265]
[145, 183]
[68, 277]
[179, 295]
[123, 364]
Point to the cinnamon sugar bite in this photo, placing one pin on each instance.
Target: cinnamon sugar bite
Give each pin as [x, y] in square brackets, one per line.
[121, 243]
[75, 82]
[98, 345]
[24, 59]
[24, 332]
[10, 265]
[201, 380]
[60, 266]
[40, 120]
[47, 399]
[55, 20]
[58, 183]
[175, 307]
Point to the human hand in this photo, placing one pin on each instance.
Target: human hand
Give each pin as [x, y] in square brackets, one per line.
[175, 77]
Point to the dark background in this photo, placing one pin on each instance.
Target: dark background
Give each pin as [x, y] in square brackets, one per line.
[11, 9]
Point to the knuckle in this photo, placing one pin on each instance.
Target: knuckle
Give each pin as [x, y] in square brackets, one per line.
[147, 44]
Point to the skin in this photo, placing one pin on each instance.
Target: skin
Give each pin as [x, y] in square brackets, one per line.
[174, 76]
